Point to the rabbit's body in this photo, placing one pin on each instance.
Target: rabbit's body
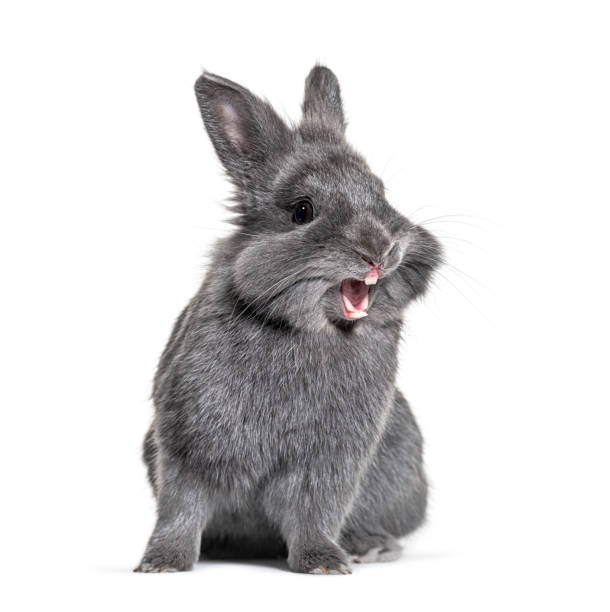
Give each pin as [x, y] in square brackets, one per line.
[287, 423]
[277, 425]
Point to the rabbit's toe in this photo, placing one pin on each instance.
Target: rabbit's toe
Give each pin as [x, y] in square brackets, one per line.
[340, 569]
[151, 568]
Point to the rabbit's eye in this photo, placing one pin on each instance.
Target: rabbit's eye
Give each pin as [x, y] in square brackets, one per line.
[303, 212]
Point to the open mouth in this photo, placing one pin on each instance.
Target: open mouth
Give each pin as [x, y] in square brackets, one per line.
[354, 298]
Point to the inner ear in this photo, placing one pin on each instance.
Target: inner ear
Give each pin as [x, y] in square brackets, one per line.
[233, 125]
[244, 129]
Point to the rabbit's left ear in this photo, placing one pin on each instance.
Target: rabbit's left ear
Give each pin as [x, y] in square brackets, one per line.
[244, 129]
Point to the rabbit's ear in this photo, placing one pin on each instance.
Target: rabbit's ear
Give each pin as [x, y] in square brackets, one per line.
[322, 103]
[244, 129]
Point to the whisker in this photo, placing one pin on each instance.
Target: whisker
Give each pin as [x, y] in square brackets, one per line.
[465, 297]
[269, 289]
[437, 220]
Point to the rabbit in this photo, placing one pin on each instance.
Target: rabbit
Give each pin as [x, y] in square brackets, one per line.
[278, 429]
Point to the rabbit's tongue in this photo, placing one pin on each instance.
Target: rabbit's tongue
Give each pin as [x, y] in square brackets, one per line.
[355, 298]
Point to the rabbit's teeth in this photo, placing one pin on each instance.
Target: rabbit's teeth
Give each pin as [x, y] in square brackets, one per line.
[371, 280]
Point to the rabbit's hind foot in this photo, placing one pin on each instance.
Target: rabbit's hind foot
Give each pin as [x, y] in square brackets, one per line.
[371, 547]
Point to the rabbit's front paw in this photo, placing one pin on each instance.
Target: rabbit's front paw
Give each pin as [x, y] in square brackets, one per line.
[165, 561]
[326, 558]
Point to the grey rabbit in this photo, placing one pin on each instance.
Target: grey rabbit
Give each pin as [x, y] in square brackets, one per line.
[278, 429]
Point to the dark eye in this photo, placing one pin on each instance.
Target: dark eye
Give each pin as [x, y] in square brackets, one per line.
[303, 212]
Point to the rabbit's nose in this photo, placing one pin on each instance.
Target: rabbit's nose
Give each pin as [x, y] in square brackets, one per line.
[373, 242]
[374, 265]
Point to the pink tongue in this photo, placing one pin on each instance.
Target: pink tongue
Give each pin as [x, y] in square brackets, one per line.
[355, 296]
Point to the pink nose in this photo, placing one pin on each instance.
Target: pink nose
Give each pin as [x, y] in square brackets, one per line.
[376, 267]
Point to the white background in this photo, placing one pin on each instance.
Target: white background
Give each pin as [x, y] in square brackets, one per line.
[488, 121]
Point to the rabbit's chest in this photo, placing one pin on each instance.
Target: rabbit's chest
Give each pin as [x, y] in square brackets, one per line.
[273, 401]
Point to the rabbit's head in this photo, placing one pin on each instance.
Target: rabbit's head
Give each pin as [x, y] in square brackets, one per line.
[317, 243]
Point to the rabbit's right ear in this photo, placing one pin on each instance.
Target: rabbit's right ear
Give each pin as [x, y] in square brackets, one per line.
[244, 129]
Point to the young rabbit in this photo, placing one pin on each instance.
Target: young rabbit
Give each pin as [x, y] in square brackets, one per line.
[278, 429]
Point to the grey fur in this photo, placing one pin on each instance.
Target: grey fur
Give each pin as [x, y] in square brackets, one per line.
[278, 428]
